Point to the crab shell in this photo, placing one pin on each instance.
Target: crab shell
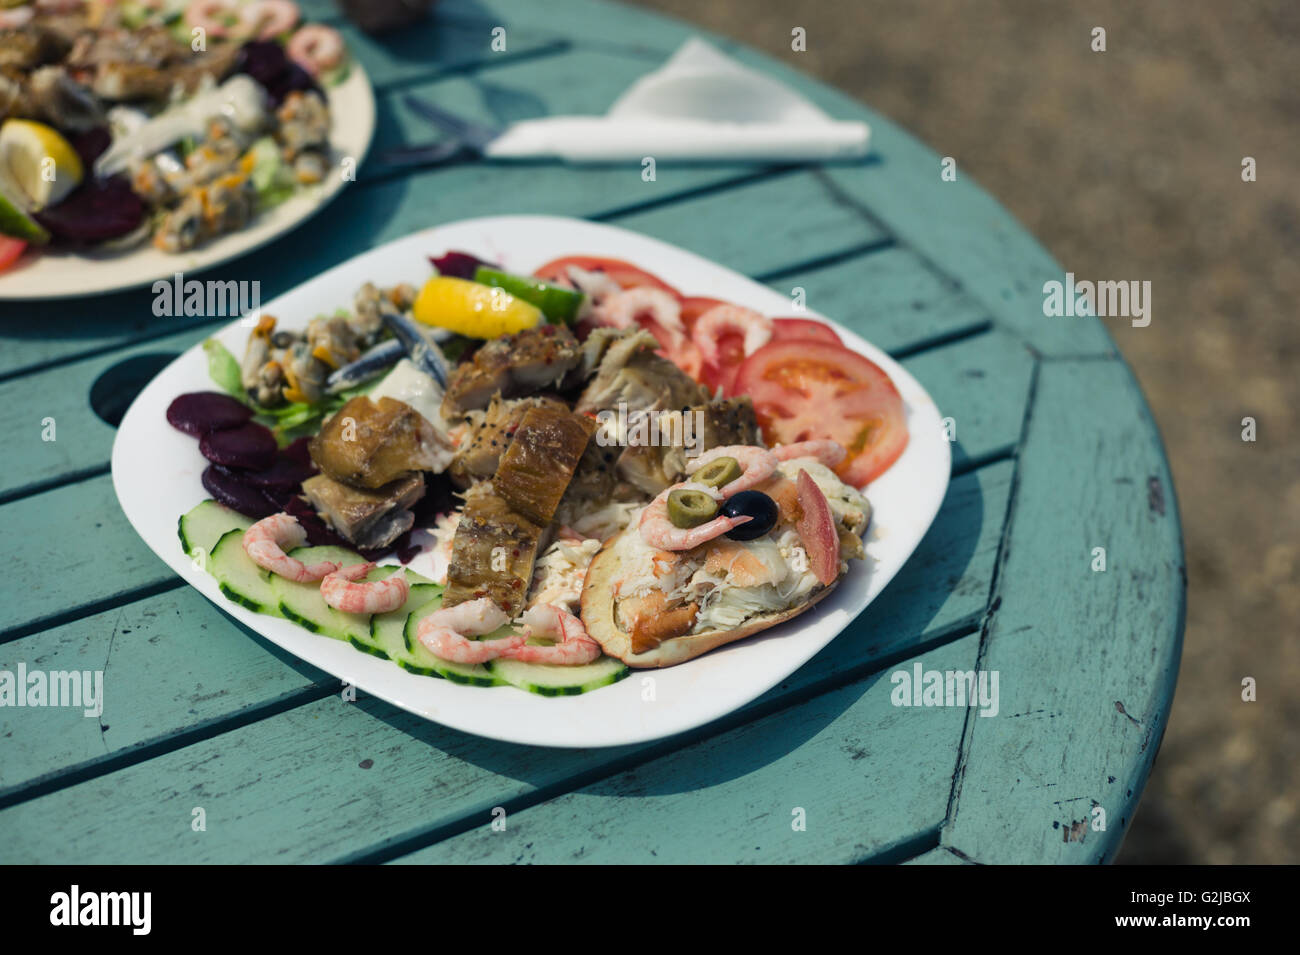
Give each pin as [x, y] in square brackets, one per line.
[599, 619]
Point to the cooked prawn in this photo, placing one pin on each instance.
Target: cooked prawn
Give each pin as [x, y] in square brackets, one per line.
[214, 17]
[658, 530]
[444, 632]
[342, 592]
[623, 308]
[717, 321]
[573, 646]
[316, 47]
[265, 543]
[757, 465]
[596, 285]
[829, 453]
[267, 19]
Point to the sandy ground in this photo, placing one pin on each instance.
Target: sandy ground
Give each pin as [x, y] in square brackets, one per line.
[1127, 164]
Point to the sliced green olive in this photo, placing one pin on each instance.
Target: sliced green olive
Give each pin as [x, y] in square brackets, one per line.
[691, 508]
[717, 473]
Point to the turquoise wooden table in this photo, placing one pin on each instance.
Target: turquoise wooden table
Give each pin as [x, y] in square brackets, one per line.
[215, 746]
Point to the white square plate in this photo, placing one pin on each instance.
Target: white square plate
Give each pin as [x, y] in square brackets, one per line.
[156, 472]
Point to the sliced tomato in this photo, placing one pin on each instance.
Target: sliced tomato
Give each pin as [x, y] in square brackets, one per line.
[803, 329]
[804, 390]
[10, 250]
[731, 355]
[625, 274]
[816, 529]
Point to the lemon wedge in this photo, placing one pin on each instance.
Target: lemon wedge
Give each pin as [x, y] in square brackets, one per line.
[468, 308]
[38, 163]
[17, 224]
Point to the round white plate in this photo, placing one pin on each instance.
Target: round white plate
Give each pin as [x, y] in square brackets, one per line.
[156, 475]
[48, 275]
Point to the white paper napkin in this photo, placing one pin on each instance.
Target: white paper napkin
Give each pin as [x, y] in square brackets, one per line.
[700, 105]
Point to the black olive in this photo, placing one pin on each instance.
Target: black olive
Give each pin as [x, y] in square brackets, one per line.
[754, 504]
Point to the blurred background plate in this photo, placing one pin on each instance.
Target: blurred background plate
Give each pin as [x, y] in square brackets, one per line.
[49, 275]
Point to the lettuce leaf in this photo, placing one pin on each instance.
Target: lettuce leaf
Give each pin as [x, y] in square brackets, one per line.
[223, 369]
[272, 178]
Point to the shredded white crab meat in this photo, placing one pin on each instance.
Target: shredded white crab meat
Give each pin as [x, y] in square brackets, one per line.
[444, 532]
[560, 571]
[601, 523]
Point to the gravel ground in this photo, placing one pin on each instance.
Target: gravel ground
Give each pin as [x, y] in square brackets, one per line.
[1127, 165]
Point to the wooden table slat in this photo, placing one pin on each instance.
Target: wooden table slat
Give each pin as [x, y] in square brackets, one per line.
[1087, 657]
[82, 440]
[843, 778]
[172, 664]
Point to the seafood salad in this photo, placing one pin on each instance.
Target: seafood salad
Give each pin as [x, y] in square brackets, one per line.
[163, 121]
[578, 471]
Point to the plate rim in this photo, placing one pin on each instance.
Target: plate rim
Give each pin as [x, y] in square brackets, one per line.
[360, 667]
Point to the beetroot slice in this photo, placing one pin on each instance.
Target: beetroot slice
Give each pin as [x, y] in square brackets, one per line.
[248, 446]
[202, 411]
[284, 473]
[97, 210]
[405, 550]
[299, 450]
[457, 265]
[228, 490]
[90, 144]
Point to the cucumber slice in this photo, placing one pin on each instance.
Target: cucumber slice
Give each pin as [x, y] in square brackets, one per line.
[550, 680]
[557, 303]
[304, 605]
[417, 659]
[387, 627]
[202, 526]
[387, 630]
[239, 578]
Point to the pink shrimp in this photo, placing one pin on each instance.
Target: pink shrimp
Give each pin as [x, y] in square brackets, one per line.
[658, 530]
[443, 633]
[622, 309]
[757, 465]
[717, 321]
[573, 646]
[267, 19]
[341, 591]
[316, 47]
[212, 16]
[265, 544]
[829, 453]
